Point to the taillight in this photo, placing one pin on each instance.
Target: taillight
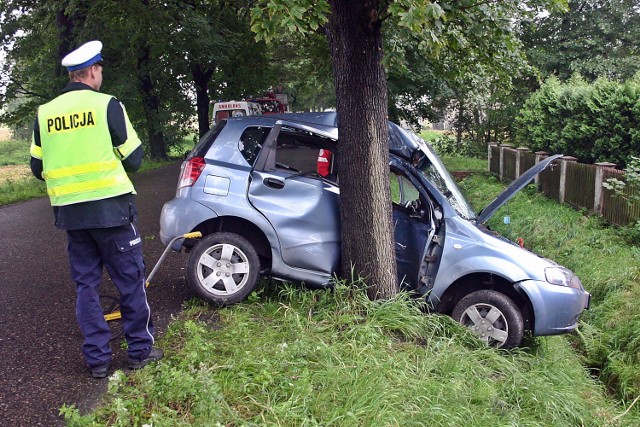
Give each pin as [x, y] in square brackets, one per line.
[191, 172]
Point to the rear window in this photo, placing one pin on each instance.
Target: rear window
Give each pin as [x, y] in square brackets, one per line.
[201, 148]
[251, 142]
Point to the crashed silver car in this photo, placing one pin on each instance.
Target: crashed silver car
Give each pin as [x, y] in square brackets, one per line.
[263, 192]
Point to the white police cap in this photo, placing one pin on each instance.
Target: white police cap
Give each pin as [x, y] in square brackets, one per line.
[85, 55]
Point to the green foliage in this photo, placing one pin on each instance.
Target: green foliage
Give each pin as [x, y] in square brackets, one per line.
[447, 145]
[593, 122]
[629, 190]
[605, 262]
[303, 358]
[593, 38]
[301, 16]
[631, 181]
[14, 191]
[304, 65]
[172, 50]
[14, 152]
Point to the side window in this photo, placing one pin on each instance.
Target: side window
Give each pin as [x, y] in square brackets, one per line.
[305, 153]
[298, 158]
[402, 190]
[251, 142]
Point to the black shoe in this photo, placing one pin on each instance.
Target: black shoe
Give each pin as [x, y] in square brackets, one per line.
[100, 371]
[154, 354]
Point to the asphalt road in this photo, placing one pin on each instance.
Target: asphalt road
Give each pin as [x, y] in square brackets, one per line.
[41, 365]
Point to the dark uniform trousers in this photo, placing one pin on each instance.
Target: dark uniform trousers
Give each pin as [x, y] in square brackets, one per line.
[119, 249]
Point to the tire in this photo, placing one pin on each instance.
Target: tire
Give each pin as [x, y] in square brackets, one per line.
[492, 316]
[223, 268]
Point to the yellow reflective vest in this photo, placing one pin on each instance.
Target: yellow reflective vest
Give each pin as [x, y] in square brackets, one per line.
[79, 161]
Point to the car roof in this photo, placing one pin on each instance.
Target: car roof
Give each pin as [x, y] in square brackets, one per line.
[400, 142]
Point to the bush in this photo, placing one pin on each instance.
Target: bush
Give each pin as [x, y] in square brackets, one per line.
[593, 122]
[447, 145]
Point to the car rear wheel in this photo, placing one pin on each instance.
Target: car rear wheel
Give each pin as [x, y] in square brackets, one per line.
[492, 316]
[223, 268]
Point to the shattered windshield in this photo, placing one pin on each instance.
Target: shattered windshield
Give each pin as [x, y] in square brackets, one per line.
[434, 170]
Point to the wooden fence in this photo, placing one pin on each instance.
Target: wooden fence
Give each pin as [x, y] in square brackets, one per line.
[567, 181]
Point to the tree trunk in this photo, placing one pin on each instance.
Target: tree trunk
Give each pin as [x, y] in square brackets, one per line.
[355, 41]
[201, 80]
[66, 27]
[150, 105]
[65, 38]
[459, 126]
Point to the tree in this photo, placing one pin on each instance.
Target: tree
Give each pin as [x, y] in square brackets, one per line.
[212, 43]
[354, 31]
[595, 38]
[164, 60]
[35, 35]
[31, 69]
[304, 64]
[355, 39]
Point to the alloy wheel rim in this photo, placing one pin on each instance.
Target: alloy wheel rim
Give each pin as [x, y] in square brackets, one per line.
[487, 322]
[223, 269]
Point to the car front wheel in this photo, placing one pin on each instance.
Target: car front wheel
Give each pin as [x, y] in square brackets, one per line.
[223, 268]
[492, 316]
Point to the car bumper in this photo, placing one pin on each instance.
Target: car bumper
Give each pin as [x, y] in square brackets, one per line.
[556, 308]
[180, 216]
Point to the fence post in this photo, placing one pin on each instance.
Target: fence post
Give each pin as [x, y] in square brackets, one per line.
[563, 176]
[519, 152]
[502, 147]
[597, 199]
[540, 156]
[490, 153]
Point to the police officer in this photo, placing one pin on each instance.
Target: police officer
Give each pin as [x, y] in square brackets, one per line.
[83, 146]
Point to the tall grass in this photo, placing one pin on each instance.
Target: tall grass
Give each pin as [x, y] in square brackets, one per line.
[605, 261]
[14, 152]
[430, 134]
[303, 358]
[13, 191]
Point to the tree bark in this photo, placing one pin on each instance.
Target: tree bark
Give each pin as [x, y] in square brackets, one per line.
[65, 38]
[66, 25]
[201, 78]
[355, 41]
[151, 106]
[150, 98]
[459, 126]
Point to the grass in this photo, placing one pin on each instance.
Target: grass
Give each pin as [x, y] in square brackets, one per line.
[608, 265]
[303, 358]
[430, 134]
[14, 152]
[465, 164]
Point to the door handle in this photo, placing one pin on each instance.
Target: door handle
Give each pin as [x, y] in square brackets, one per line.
[273, 183]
